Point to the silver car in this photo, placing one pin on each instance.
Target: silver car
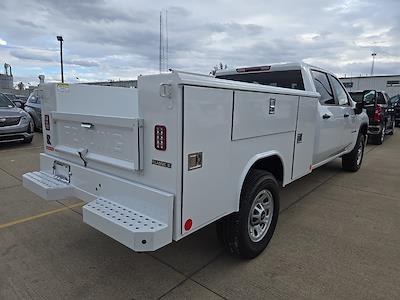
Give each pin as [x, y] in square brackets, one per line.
[15, 123]
[34, 108]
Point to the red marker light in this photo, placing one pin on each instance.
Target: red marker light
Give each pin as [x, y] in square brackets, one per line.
[160, 137]
[188, 224]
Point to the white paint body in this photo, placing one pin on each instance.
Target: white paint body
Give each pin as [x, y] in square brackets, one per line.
[230, 123]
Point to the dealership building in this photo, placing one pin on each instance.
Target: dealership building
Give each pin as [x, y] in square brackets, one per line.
[387, 83]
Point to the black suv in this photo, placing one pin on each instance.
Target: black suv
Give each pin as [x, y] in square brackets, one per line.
[395, 103]
[380, 113]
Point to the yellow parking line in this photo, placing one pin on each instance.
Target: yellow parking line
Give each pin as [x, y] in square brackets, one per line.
[50, 212]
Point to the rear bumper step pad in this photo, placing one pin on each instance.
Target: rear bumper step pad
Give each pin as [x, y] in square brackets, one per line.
[129, 227]
[47, 186]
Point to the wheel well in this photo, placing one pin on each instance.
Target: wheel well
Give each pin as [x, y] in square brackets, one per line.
[272, 164]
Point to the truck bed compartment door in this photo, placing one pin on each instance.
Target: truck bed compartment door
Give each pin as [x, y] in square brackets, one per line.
[304, 136]
[206, 147]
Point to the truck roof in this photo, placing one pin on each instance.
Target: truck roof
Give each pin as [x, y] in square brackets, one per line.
[194, 79]
[270, 68]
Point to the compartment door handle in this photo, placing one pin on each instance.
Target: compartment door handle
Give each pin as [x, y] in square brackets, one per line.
[87, 125]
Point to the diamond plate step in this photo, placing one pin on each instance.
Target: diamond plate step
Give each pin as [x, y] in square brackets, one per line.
[130, 227]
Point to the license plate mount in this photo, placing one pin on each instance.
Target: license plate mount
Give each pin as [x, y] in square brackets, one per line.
[62, 171]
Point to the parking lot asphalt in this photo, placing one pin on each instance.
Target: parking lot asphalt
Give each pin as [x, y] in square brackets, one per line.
[338, 237]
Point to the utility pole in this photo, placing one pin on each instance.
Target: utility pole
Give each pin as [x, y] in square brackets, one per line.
[60, 39]
[373, 62]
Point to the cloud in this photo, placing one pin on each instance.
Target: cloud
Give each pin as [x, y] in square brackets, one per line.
[111, 39]
[82, 63]
[33, 54]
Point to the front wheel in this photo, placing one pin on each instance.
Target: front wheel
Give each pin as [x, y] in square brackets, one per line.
[247, 232]
[352, 161]
[31, 129]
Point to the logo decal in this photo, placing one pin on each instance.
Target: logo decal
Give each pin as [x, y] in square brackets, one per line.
[161, 163]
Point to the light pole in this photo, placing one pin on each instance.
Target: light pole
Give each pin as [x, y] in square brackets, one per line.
[373, 62]
[60, 39]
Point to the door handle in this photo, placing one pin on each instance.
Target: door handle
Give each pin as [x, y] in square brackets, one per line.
[87, 125]
[326, 116]
[346, 115]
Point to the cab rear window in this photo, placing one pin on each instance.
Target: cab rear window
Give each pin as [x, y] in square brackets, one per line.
[291, 79]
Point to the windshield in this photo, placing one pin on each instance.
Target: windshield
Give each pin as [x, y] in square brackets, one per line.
[291, 79]
[5, 102]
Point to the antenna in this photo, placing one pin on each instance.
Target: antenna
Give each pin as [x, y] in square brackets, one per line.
[163, 51]
[166, 37]
[160, 53]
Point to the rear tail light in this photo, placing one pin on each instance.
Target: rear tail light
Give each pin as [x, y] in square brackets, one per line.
[377, 114]
[160, 137]
[47, 122]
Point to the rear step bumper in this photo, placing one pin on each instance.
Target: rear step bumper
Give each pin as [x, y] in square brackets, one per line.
[135, 215]
[47, 186]
[129, 227]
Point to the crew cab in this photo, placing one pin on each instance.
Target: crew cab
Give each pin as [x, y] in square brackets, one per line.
[380, 112]
[183, 150]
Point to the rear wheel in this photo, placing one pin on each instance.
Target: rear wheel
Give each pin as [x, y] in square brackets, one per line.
[247, 232]
[379, 138]
[352, 161]
[392, 127]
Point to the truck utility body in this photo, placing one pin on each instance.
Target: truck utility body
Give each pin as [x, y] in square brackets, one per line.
[157, 163]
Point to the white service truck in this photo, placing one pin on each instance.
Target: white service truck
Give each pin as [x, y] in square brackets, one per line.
[183, 150]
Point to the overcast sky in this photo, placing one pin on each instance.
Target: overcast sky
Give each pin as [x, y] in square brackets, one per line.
[119, 39]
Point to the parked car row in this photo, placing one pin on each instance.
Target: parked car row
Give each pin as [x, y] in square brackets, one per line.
[18, 100]
[380, 109]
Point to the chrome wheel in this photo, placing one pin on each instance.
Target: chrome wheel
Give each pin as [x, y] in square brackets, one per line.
[383, 134]
[260, 215]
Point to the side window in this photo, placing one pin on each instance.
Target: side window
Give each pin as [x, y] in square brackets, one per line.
[323, 88]
[339, 91]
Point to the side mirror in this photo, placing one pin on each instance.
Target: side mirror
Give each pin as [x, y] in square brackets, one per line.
[18, 104]
[369, 97]
[359, 108]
